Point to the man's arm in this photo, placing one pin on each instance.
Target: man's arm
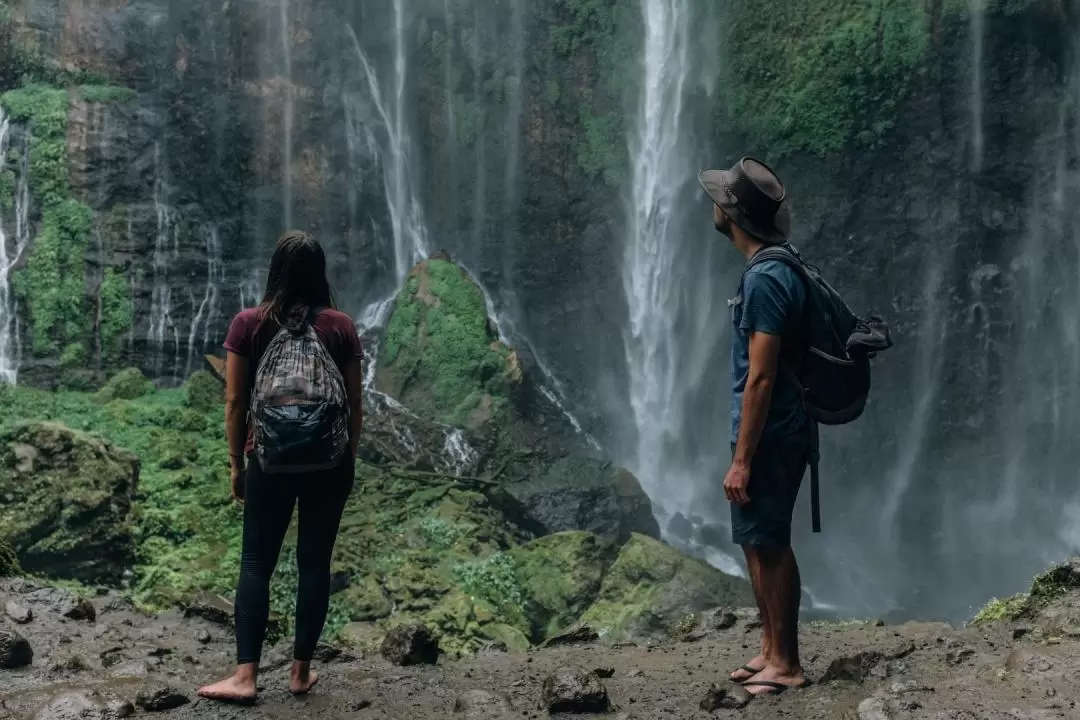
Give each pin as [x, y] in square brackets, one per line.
[764, 360]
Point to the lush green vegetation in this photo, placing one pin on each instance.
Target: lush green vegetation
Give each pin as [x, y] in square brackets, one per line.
[106, 94]
[53, 284]
[823, 75]
[440, 351]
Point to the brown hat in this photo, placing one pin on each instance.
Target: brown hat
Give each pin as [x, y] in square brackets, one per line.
[751, 195]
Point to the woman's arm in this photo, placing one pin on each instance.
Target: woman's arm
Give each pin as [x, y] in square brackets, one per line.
[236, 407]
[354, 388]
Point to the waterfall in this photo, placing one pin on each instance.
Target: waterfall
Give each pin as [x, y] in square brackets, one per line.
[653, 288]
[209, 309]
[163, 328]
[978, 34]
[14, 238]
[406, 215]
[288, 114]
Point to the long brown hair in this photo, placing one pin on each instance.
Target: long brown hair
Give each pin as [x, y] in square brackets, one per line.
[297, 278]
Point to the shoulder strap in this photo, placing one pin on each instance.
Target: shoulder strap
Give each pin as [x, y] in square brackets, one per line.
[784, 253]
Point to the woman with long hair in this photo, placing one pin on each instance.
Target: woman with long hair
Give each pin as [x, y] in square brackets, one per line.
[297, 300]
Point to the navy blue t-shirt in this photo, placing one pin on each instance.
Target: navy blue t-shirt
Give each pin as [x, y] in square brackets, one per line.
[770, 301]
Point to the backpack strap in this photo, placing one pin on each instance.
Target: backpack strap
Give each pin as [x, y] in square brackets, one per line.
[790, 256]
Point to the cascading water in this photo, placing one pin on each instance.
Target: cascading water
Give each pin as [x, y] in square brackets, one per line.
[978, 33]
[209, 308]
[163, 329]
[653, 287]
[14, 238]
[288, 112]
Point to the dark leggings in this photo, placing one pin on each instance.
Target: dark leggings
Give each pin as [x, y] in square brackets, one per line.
[268, 509]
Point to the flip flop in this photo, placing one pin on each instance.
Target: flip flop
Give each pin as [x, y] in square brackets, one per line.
[745, 668]
[777, 688]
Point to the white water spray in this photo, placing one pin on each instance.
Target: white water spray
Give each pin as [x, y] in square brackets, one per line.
[209, 312]
[14, 238]
[978, 20]
[652, 287]
[162, 327]
[287, 120]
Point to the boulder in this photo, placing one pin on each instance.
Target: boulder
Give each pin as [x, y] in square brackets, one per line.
[412, 644]
[127, 384]
[20, 614]
[67, 500]
[159, 698]
[575, 692]
[578, 492]
[562, 575]
[15, 650]
[203, 391]
[63, 602]
[440, 355]
[651, 586]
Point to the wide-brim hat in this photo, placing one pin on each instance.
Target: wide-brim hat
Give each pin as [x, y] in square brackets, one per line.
[753, 197]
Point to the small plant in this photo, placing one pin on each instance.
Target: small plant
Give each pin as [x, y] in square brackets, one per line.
[439, 534]
[493, 579]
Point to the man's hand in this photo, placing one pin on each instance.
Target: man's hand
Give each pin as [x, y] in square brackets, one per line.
[237, 476]
[738, 477]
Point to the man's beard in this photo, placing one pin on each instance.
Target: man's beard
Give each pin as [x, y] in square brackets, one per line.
[723, 225]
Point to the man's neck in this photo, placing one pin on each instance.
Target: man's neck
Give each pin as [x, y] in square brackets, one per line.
[746, 244]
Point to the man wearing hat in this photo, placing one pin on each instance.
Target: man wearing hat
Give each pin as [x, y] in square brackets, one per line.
[770, 429]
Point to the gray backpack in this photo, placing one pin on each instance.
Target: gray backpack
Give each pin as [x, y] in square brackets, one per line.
[299, 407]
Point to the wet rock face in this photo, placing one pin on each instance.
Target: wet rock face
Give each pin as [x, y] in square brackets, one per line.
[67, 502]
[575, 692]
[412, 644]
[15, 651]
[582, 493]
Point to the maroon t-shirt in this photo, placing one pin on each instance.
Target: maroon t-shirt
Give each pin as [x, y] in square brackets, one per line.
[248, 339]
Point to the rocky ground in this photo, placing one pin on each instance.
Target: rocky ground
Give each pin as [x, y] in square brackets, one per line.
[102, 659]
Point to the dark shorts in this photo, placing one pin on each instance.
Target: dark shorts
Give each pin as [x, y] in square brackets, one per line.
[776, 474]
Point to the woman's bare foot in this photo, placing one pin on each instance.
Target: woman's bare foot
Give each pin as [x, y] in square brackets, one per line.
[757, 665]
[240, 688]
[772, 681]
[302, 678]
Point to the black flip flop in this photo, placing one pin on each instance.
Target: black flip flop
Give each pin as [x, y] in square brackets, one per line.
[780, 688]
[747, 668]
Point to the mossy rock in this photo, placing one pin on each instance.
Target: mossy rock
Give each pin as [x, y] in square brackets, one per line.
[578, 492]
[128, 384]
[203, 392]
[1047, 587]
[9, 561]
[68, 499]
[440, 355]
[651, 587]
[561, 575]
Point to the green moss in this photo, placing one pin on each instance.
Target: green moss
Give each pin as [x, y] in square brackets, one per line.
[561, 575]
[117, 311]
[1045, 588]
[9, 561]
[822, 75]
[1006, 610]
[107, 94]
[7, 189]
[45, 110]
[203, 391]
[651, 587]
[127, 384]
[442, 357]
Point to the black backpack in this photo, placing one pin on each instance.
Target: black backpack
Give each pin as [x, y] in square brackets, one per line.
[832, 366]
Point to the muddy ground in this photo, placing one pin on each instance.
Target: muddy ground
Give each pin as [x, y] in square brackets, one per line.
[97, 668]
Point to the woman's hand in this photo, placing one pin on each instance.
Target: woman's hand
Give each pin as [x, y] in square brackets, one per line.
[237, 475]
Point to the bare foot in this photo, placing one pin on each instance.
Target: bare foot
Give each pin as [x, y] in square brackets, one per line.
[772, 681]
[234, 689]
[757, 664]
[302, 679]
